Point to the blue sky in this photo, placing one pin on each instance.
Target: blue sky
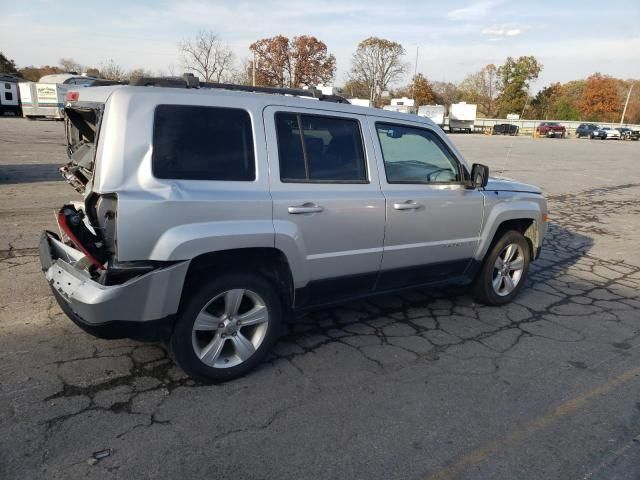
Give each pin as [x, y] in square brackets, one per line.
[571, 38]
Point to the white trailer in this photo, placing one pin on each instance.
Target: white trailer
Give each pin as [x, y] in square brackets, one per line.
[462, 117]
[404, 105]
[360, 102]
[46, 97]
[433, 112]
[9, 98]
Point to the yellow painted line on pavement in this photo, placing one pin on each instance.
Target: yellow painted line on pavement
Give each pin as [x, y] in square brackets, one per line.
[480, 454]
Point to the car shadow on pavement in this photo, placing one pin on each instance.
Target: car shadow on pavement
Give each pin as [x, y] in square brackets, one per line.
[421, 324]
[29, 173]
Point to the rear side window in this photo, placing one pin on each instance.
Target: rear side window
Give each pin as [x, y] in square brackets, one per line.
[202, 143]
[315, 148]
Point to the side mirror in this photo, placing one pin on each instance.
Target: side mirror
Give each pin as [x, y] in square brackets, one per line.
[479, 176]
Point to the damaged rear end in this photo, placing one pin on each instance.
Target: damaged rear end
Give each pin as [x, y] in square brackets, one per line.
[107, 298]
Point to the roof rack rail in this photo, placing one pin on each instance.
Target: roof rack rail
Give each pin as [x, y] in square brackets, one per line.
[191, 81]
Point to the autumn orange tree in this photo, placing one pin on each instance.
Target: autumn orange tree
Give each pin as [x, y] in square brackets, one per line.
[303, 60]
[419, 89]
[600, 99]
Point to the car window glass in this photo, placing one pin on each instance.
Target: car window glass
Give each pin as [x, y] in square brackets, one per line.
[202, 143]
[415, 155]
[315, 148]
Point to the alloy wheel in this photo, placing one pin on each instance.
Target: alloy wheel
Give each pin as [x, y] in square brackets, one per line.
[230, 328]
[508, 269]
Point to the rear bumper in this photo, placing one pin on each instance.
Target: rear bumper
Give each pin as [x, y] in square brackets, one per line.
[142, 307]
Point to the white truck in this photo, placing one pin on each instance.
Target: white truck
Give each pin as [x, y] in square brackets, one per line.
[462, 117]
[435, 113]
[46, 97]
[9, 101]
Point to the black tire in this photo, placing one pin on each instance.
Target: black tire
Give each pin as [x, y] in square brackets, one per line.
[482, 289]
[181, 344]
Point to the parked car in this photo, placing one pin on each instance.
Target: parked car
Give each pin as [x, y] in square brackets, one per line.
[627, 133]
[505, 129]
[211, 215]
[551, 129]
[604, 133]
[586, 130]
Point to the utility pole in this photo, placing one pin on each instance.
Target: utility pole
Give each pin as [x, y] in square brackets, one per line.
[415, 73]
[253, 70]
[624, 111]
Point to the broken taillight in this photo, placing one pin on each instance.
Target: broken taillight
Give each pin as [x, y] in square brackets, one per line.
[71, 223]
[72, 96]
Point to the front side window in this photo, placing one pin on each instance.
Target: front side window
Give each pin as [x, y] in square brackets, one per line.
[202, 143]
[314, 148]
[415, 155]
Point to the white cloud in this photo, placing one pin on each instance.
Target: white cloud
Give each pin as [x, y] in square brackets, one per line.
[474, 10]
[502, 31]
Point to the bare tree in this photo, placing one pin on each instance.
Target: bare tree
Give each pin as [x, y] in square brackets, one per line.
[377, 63]
[482, 88]
[207, 56]
[138, 73]
[70, 65]
[110, 70]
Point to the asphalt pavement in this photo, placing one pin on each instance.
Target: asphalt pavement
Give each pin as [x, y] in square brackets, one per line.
[420, 385]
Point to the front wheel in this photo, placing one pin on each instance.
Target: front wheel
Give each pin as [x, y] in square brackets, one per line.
[227, 327]
[503, 271]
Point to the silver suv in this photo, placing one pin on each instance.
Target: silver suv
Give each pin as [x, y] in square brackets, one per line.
[211, 215]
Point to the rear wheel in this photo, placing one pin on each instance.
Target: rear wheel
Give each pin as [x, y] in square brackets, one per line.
[503, 271]
[227, 327]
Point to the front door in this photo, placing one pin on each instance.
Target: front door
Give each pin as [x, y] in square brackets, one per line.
[433, 221]
[328, 210]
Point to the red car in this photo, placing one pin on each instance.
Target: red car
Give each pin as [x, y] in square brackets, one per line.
[551, 129]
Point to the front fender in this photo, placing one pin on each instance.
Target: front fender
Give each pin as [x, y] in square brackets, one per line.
[501, 210]
[185, 242]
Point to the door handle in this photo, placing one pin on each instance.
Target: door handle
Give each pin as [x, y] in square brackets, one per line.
[408, 205]
[306, 208]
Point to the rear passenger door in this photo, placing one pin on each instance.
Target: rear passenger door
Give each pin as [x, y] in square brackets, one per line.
[328, 210]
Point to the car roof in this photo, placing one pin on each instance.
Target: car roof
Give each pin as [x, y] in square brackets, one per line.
[159, 95]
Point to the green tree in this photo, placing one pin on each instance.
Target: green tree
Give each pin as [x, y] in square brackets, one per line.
[7, 65]
[514, 78]
[545, 102]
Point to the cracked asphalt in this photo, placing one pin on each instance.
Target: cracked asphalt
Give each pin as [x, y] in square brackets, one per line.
[420, 385]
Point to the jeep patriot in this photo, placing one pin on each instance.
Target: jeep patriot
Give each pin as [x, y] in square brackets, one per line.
[210, 215]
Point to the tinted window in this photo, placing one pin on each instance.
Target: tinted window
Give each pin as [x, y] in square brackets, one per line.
[322, 149]
[202, 143]
[84, 81]
[8, 96]
[415, 155]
